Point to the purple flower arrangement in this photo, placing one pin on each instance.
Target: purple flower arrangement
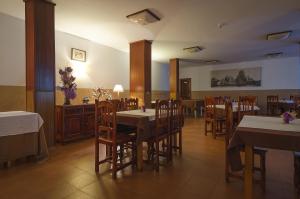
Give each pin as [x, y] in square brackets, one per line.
[288, 117]
[68, 85]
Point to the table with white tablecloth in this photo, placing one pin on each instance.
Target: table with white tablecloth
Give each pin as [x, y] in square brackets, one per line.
[21, 135]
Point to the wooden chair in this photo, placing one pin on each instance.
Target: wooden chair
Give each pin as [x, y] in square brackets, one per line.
[160, 143]
[177, 121]
[272, 104]
[119, 104]
[211, 117]
[106, 133]
[246, 106]
[297, 102]
[132, 104]
[219, 100]
[261, 153]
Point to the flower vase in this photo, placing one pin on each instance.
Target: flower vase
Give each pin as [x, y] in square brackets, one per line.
[67, 101]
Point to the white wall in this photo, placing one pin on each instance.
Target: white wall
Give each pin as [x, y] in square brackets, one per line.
[105, 66]
[160, 76]
[12, 51]
[277, 73]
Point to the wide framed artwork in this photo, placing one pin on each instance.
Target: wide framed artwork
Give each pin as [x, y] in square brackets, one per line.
[245, 77]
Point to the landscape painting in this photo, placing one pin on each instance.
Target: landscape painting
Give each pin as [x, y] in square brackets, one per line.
[236, 77]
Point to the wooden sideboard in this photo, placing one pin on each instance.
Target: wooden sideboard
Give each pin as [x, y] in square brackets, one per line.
[74, 122]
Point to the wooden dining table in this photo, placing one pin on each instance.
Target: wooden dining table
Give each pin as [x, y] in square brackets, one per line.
[259, 131]
[145, 124]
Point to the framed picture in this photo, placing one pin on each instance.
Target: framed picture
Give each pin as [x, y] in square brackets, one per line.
[236, 77]
[78, 55]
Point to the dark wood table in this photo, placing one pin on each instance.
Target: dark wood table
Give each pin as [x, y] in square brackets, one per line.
[145, 123]
[266, 132]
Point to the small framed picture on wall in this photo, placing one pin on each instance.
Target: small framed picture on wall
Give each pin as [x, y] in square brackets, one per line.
[78, 55]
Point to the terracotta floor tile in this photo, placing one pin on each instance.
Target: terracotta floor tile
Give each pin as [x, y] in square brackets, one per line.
[198, 173]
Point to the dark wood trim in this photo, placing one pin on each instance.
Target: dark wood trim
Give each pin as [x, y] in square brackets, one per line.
[40, 62]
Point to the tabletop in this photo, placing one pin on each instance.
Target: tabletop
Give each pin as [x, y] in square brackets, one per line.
[19, 122]
[150, 113]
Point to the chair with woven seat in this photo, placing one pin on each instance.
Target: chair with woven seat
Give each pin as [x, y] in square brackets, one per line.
[159, 145]
[272, 104]
[211, 117]
[246, 106]
[119, 104]
[177, 121]
[106, 133]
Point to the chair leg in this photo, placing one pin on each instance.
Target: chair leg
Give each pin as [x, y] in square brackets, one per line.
[121, 153]
[169, 148]
[205, 128]
[213, 126]
[114, 161]
[180, 142]
[263, 170]
[97, 156]
[157, 155]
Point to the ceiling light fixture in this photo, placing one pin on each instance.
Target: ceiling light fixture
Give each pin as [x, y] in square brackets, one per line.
[193, 49]
[279, 35]
[273, 55]
[214, 61]
[143, 17]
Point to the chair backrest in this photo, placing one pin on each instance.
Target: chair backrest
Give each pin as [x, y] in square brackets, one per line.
[272, 98]
[220, 99]
[209, 107]
[162, 116]
[119, 104]
[246, 106]
[105, 120]
[132, 103]
[177, 118]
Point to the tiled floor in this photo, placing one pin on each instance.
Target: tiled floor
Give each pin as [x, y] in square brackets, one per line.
[199, 173]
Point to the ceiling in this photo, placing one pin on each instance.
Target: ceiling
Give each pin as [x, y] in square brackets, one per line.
[183, 24]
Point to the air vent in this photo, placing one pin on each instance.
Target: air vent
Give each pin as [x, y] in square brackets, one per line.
[143, 17]
[273, 55]
[193, 49]
[279, 35]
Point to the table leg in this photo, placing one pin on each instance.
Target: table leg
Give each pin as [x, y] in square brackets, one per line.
[248, 179]
[140, 156]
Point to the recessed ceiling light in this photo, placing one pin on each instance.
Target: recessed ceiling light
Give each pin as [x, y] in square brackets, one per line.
[279, 35]
[273, 55]
[193, 49]
[143, 17]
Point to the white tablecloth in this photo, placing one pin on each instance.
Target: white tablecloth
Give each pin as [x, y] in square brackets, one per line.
[136, 113]
[286, 101]
[271, 123]
[19, 122]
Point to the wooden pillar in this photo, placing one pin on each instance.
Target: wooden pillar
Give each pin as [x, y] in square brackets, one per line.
[40, 62]
[174, 78]
[140, 71]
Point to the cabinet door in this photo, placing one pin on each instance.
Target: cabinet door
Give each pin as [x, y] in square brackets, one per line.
[72, 126]
[89, 124]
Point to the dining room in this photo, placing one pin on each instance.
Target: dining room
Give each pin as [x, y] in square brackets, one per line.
[149, 99]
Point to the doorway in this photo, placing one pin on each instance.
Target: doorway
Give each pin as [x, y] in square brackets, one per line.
[185, 88]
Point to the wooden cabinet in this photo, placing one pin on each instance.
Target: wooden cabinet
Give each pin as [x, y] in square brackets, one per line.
[74, 122]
